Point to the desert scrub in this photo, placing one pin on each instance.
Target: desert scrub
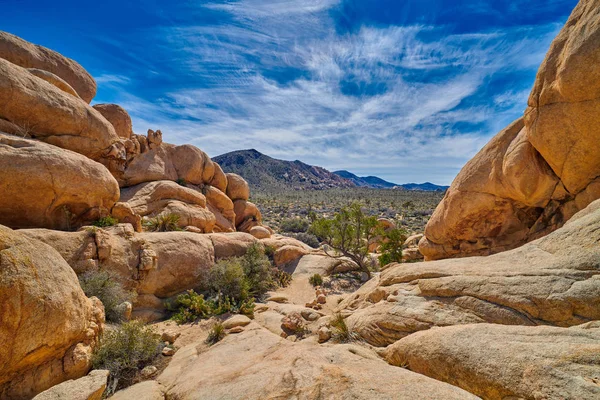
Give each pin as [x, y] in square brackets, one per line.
[316, 280]
[105, 221]
[108, 289]
[306, 238]
[191, 306]
[124, 350]
[162, 223]
[294, 225]
[391, 248]
[216, 333]
[340, 331]
[281, 278]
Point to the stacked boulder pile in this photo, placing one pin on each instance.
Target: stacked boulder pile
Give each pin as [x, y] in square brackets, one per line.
[65, 164]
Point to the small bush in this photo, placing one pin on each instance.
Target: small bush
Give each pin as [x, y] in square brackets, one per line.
[257, 269]
[391, 248]
[108, 289]
[306, 238]
[105, 221]
[163, 223]
[191, 306]
[124, 351]
[294, 225]
[340, 331]
[316, 280]
[216, 333]
[227, 279]
[281, 278]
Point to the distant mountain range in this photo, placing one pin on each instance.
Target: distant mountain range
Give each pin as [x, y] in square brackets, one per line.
[267, 173]
[376, 182]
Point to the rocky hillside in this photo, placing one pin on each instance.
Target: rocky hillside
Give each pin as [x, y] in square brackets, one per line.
[266, 173]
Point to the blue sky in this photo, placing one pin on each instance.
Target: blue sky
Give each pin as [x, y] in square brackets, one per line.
[406, 90]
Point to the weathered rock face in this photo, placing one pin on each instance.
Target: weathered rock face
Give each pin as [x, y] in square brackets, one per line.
[237, 187]
[499, 362]
[156, 265]
[118, 117]
[47, 326]
[157, 198]
[48, 113]
[537, 173]
[28, 55]
[553, 280]
[46, 186]
[273, 367]
[90, 387]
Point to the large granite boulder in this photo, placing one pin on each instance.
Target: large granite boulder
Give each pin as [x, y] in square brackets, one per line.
[28, 55]
[500, 362]
[46, 186]
[554, 280]
[538, 172]
[48, 327]
[47, 113]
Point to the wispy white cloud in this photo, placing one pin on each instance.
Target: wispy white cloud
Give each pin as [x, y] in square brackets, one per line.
[380, 100]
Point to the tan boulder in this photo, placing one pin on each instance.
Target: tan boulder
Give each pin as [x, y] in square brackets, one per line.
[233, 244]
[28, 55]
[277, 241]
[45, 186]
[147, 390]
[273, 367]
[222, 206]
[54, 80]
[525, 183]
[153, 199]
[118, 117]
[47, 113]
[219, 179]
[246, 211]
[90, 387]
[236, 321]
[287, 254]
[549, 281]
[237, 187]
[499, 362]
[260, 232]
[48, 327]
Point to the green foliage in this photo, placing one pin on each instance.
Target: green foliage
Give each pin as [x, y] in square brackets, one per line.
[227, 279]
[306, 238]
[257, 268]
[191, 306]
[340, 331]
[105, 221]
[348, 233]
[294, 225]
[391, 248]
[108, 289]
[216, 333]
[281, 278]
[316, 280]
[163, 223]
[125, 350]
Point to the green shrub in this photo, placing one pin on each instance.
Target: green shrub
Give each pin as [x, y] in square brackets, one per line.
[257, 269]
[281, 278]
[108, 289]
[294, 225]
[316, 280]
[306, 238]
[227, 279]
[340, 331]
[391, 248]
[125, 350]
[216, 333]
[105, 221]
[163, 223]
[191, 306]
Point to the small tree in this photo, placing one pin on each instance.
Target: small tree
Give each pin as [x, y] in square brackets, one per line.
[348, 233]
[391, 248]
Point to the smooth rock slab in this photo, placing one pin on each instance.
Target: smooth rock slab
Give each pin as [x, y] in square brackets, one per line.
[499, 362]
[90, 387]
